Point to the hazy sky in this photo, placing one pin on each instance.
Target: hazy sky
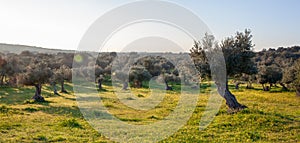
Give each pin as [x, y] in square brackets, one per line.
[62, 23]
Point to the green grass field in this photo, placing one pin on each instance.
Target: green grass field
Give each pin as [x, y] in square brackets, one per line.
[271, 117]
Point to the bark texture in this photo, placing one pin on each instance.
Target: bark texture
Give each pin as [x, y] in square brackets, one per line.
[231, 101]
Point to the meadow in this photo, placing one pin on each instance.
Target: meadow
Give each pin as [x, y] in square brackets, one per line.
[272, 116]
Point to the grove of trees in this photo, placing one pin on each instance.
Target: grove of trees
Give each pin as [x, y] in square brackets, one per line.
[269, 68]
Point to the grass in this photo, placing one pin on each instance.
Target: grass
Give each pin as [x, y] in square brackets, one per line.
[271, 117]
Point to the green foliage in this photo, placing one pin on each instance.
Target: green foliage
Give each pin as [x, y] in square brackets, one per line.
[238, 54]
[237, 51]
[37, 73]
[64, 73]
[269, 74]
[296, 82]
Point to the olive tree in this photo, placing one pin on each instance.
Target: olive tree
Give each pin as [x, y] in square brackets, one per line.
[11, 66]
[64, 73]
[269, 74]
[292, 76]
[297, 80]
[37, 74]
[238, 54]
[289, 76]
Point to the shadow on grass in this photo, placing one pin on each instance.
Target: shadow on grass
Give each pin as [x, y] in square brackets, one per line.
[45, 103]
[69, 111]
[102, 90]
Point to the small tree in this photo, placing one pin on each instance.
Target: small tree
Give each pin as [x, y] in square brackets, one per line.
[296, 77]
[289, 75]
[11, 66]
[249, 79]
[37, 74]
[269, 74]
[64, 73]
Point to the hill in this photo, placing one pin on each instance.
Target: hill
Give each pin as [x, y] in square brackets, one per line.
[11, 48]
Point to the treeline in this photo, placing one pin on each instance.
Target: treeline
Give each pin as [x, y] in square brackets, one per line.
[278, 66]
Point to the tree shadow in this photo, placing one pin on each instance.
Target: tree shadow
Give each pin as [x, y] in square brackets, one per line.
[15, 96]
[44, 103]
[73, 111]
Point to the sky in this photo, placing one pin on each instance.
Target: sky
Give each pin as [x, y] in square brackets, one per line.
[60, 24]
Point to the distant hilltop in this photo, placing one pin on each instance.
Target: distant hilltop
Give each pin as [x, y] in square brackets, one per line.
[12, 48]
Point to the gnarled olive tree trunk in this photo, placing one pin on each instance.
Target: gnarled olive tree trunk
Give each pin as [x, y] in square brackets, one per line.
[231, 101]
[37, 96]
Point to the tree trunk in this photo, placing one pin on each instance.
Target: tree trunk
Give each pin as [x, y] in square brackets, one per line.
[237, 85]
[284, 88]
[249, 85]
[231, 101]
[2, 80]
[100, 84]
[168, 87]
[37, 96]
[55, 88]
[265, 88]
[125, 86]
[137, 84]
[63, 90]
